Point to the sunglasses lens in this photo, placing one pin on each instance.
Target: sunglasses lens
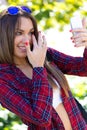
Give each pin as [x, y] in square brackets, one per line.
[13, 10]
[26, 9]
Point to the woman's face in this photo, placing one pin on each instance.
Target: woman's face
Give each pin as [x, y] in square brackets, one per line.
[23, 34]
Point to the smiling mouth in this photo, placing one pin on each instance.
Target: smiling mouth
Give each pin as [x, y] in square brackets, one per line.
[22, 48]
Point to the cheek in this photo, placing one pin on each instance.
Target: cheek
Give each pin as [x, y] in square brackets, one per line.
[23, 39]
[17, 40]
[30, 38]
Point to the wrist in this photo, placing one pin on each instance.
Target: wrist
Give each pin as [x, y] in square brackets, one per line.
[37, 65]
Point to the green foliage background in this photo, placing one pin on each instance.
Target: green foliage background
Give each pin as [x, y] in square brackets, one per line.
[49, 14]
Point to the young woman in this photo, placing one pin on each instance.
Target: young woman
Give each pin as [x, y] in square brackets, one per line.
[31, 83]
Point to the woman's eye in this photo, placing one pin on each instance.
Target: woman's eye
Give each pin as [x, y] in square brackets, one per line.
[30, 33]
[18, 33]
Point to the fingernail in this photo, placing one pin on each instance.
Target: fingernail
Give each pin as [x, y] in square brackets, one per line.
[75, 45]
[70, 30]
[26, 43]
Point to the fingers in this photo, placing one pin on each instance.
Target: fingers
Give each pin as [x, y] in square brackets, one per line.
[84, 22]
[28, 47]
[81, 44]
[80, 40]
[41, 40]
[80, 37]
[44, 41]
[77, 31]
[37, 56]
[40, 43]
[34, 41]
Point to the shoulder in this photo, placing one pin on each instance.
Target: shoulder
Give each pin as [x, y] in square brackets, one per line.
[4, 67]
[5, 71]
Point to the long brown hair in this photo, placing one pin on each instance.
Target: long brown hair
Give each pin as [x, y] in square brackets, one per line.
[58, 75]
[8, 24]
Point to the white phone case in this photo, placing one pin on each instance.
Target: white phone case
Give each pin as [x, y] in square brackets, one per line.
[76, 22]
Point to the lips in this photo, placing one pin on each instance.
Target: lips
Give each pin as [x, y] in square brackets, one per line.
[22, 48]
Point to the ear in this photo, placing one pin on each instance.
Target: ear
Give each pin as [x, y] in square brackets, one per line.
[84, 22]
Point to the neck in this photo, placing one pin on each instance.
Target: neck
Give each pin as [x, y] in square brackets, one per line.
[20, 62]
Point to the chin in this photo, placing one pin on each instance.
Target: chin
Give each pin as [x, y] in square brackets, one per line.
[22, 55]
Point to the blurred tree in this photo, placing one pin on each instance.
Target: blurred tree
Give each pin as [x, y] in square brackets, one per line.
[79, 88]
[8, 120]
[51, 13]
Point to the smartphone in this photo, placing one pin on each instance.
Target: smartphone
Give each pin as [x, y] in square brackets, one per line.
[75, 23]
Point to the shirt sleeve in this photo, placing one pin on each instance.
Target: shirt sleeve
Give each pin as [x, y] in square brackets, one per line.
[39, 111]
[69, 64]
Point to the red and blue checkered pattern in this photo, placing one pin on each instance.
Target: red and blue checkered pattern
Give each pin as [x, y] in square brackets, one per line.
[31, 99]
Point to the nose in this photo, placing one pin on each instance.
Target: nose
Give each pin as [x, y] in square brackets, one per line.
[26, 38]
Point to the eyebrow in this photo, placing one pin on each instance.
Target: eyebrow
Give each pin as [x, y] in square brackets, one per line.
[32, 29]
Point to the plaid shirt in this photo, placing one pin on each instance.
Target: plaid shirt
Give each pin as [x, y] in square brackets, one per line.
[31, 99]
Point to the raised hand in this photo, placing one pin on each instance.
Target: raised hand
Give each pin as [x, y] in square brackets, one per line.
[80, 39]
[37, 56]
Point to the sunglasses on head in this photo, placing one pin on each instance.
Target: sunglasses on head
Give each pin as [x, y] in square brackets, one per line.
[14, 10]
